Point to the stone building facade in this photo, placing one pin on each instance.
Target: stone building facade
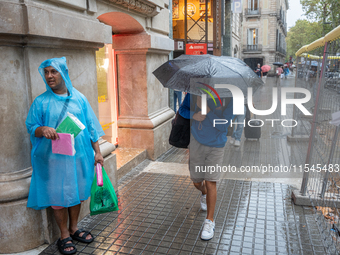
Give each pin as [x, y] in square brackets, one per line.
[236, 31]
[264, 32]
[135, 36]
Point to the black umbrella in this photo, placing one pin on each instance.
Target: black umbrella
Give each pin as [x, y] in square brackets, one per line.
[277, 64]
[197, 73]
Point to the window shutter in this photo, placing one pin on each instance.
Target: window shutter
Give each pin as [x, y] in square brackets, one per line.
[249, 37]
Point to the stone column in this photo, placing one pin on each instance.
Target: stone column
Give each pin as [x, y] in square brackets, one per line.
[144, 116]
[30, 33]
[227, 35]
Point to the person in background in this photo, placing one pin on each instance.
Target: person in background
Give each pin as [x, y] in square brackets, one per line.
[279, 72]
[258, 70]
[264, 77]
[286, 71]
[239, 122]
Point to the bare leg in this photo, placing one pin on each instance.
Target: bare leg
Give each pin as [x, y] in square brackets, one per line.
[74, 215]
[201, 186]
[61, 217]
[211, 199]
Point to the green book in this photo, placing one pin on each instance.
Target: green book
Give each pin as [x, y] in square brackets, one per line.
[70, 125]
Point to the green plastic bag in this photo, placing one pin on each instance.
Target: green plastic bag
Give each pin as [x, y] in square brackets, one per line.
[103, 199]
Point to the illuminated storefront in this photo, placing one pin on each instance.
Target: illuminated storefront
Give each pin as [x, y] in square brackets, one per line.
[107, 92]
[196, 28]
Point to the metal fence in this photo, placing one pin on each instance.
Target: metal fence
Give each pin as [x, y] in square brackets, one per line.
[318, 71]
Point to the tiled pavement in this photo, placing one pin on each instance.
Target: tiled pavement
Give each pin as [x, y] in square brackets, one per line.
[160, 213]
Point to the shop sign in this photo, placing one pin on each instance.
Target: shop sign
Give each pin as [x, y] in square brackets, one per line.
[195, 49]
[237, 6]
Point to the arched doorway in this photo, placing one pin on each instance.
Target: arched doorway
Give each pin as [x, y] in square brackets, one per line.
[106, 61]
[252, 62]
[143, 114]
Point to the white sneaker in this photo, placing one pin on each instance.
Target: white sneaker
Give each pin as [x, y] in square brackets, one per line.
[208, 230]
[237, 143]
[232, 140]
[204, 202]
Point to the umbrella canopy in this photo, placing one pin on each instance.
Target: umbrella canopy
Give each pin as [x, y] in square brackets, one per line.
[266, 68]
[198, 73]
[277, 64]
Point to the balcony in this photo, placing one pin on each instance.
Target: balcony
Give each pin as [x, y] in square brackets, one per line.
[252, 13]
[284, 28]
[281, 50]
[280, 16]
[257, 48]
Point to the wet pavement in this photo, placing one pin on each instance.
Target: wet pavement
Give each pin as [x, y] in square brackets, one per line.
[160, 214]
[160, 211]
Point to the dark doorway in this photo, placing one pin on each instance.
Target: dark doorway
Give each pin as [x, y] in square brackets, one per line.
[252, 62]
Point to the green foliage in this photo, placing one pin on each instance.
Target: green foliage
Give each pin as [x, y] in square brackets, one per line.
[304, 32]
[322, 17]
[323, 11]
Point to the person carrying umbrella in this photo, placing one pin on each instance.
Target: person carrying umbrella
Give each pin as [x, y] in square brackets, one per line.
[206, 152]
[199, 75]
[265, 70]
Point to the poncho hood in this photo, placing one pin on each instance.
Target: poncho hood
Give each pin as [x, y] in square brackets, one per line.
[60, 65]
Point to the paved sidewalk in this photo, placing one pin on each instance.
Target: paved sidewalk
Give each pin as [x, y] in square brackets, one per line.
[160, 210]
[160, 214]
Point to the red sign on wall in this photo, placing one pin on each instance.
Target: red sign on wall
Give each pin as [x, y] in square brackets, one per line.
[195, 49]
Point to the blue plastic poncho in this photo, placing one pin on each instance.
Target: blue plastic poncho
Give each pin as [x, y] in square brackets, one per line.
[60, 180]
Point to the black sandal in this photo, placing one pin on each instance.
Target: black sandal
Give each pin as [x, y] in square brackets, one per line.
[76, 236]
[62, 245]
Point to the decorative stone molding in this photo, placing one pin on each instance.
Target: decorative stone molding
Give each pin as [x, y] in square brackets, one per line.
[15, 185]
[105, 147]
[21, 19]
[148, 8]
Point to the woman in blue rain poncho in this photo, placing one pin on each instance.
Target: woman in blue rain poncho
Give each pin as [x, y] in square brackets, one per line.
[62, 181]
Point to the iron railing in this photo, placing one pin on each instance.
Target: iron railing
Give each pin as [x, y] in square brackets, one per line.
[253, 48]
[281, 50]
[251, 12]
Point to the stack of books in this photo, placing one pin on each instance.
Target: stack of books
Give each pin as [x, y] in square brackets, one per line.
[67, 130]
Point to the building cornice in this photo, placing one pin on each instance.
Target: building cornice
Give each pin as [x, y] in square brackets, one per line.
[147, 8]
